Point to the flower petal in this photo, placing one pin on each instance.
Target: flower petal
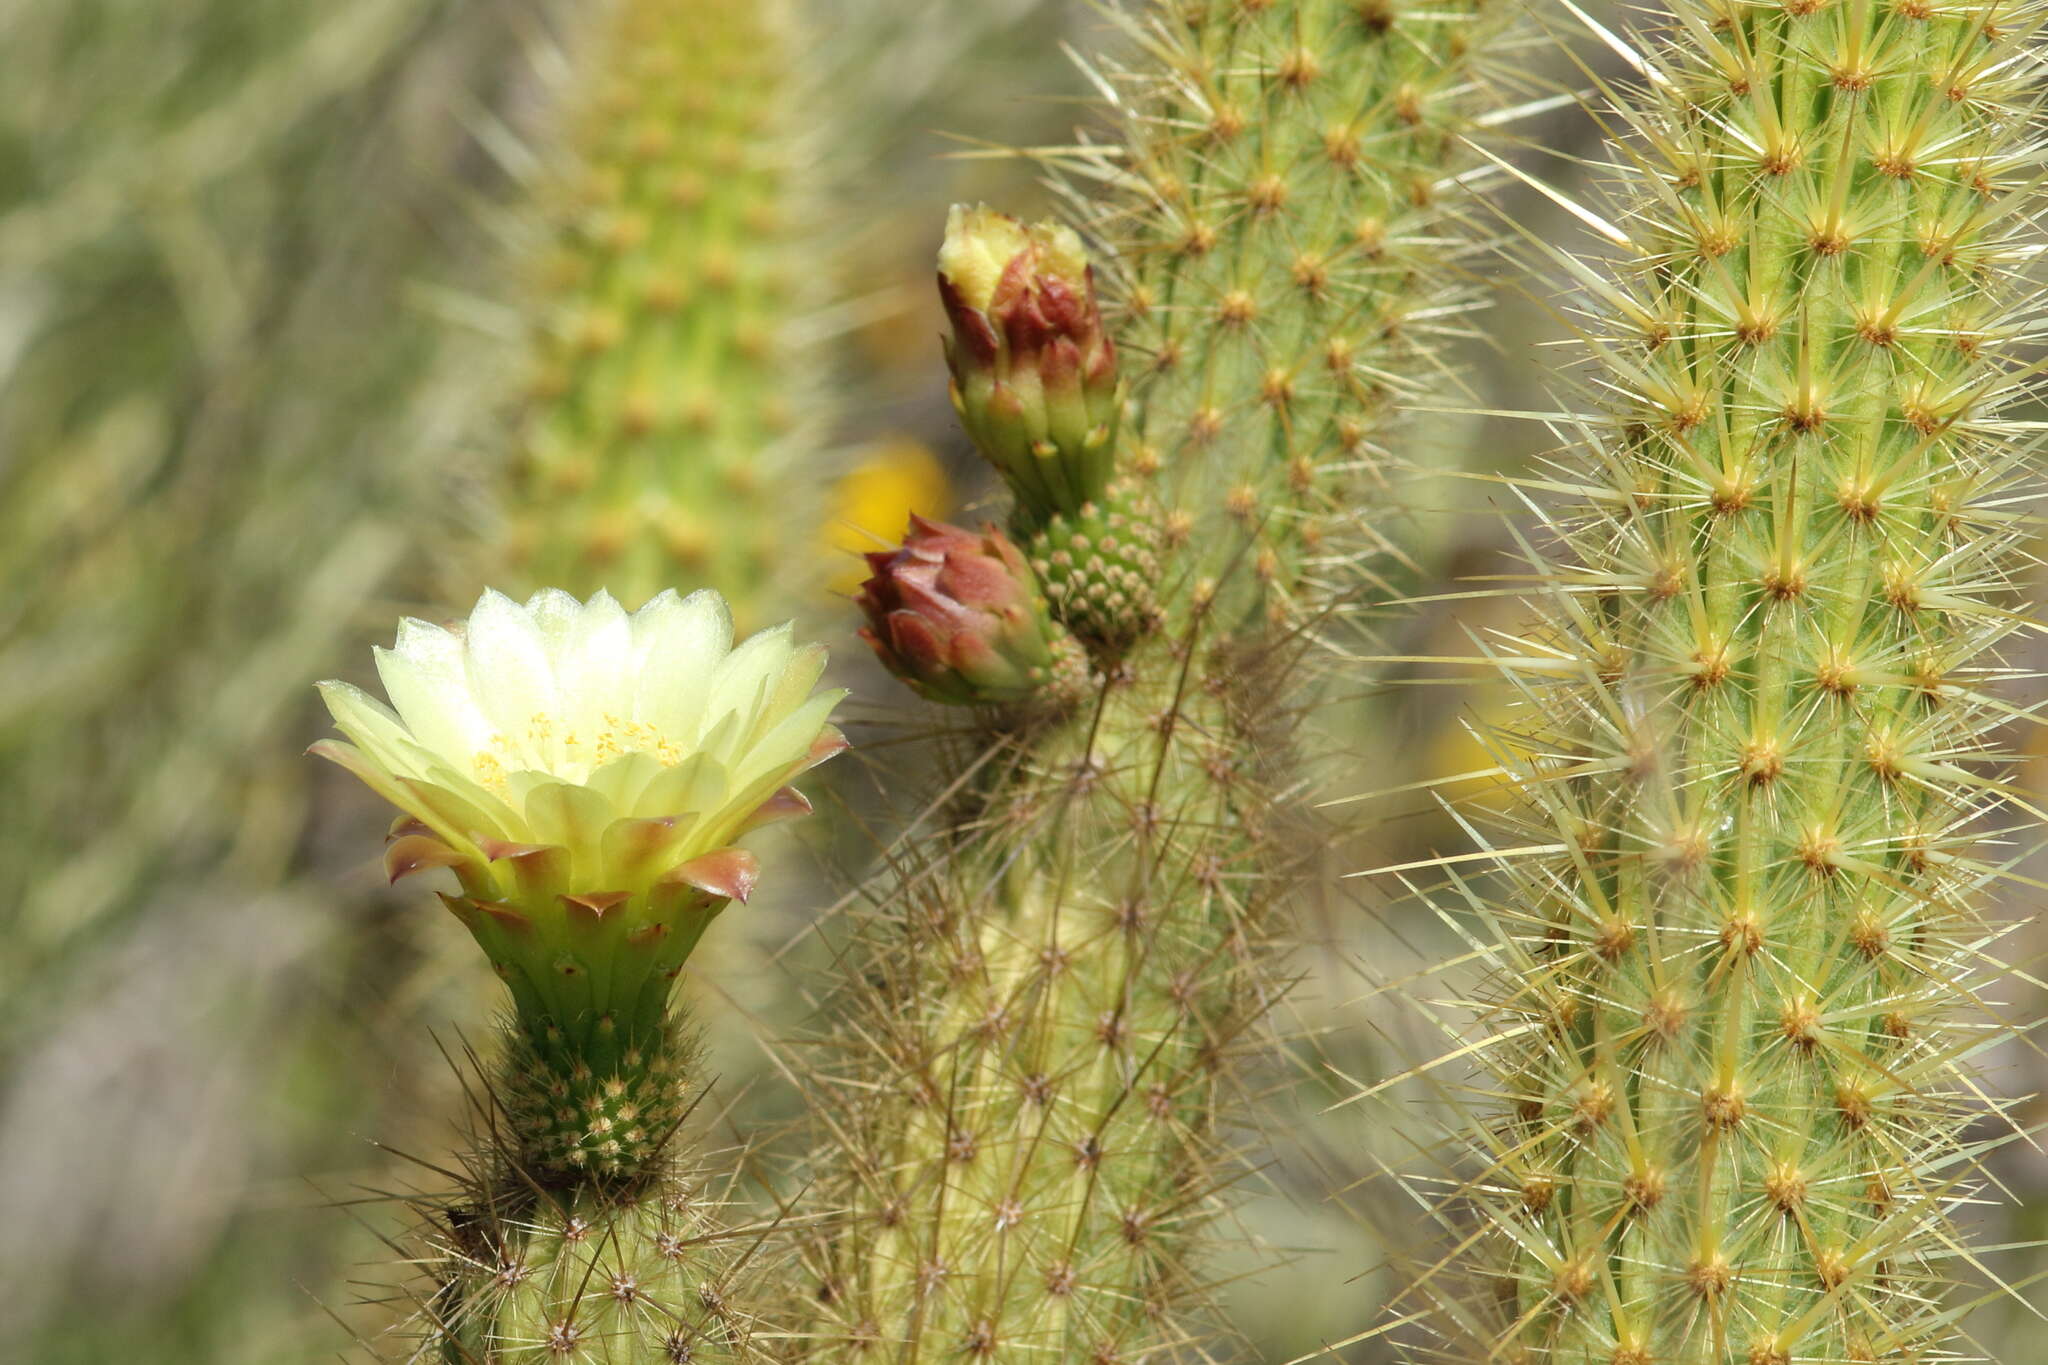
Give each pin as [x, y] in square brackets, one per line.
[553, 614]
[696, 785]
[744, 676]
[622, 780]
[512, 677]
[575, 817]
[789, 744]
[429, 689]
[635, 850]
[729, 873]
[679, 648]
[792, 686]
[374, 727]
[594, 673]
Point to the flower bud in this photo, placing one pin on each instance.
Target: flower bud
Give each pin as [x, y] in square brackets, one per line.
[957, 615]
[1034, 372]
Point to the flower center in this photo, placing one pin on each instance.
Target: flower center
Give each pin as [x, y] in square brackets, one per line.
[574, 755]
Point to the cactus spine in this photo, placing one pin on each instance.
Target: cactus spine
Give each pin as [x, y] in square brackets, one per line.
[1023, 1110]
[664, 399]
[1745, 979]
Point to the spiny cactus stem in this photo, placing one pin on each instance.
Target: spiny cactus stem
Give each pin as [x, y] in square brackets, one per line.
[1041, 1037]
[1750, 1072]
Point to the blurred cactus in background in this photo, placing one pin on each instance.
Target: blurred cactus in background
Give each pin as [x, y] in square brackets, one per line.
[665, 405]
[212, 393]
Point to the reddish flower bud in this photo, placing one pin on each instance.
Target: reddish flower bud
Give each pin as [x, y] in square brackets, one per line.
[958, 615]
[1034, 371]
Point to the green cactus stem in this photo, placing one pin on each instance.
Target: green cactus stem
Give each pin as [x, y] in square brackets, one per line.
[654, 1275]
[1281, 265]
[1740, 997]
[1025, 1109]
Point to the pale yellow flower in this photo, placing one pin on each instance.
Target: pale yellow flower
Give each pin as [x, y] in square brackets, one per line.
[568, 747]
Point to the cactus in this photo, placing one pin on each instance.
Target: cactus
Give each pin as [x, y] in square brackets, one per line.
[1024, 1109]
[665, 403]
[658, 263]
[1740, 940]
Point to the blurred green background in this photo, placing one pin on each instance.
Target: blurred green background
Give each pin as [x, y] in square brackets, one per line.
[249, 357]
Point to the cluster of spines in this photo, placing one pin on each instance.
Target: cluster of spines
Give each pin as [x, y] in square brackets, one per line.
[646, 1277]
[1026, 1114]
[1286, 267]
[1740, 998]
[663, 384]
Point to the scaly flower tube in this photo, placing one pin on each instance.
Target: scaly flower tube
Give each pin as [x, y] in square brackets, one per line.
[585, 774]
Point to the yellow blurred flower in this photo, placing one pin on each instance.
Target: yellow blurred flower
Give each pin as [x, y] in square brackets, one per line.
[873, 501]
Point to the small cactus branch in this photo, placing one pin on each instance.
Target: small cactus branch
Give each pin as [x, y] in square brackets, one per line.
[664, 398]
[1741, 1000]
[1024, 1109]
[1054, 1000]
